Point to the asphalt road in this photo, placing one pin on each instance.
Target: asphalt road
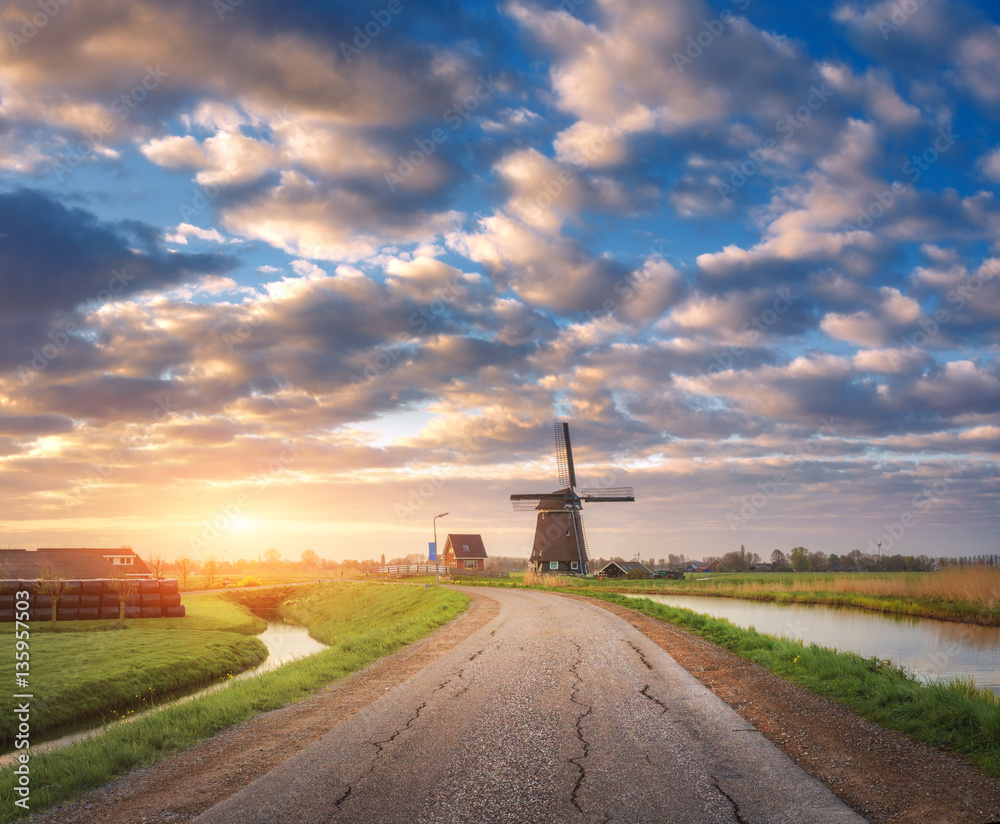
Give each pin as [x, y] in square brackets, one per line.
[557, 711]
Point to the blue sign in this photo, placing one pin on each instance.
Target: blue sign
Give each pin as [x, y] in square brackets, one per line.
[432, 550]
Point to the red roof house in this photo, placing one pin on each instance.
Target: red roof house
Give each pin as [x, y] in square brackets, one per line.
[465, 552]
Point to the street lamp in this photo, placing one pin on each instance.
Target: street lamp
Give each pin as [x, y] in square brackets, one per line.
[437, 573]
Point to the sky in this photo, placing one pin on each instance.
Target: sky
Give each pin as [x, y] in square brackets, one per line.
[305, 275]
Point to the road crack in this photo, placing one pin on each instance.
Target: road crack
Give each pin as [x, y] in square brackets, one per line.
[732, 803]
[641, 654]
[587, 710]
[646, 694]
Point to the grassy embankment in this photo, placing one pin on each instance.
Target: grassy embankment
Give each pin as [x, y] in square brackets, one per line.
[360, 623]
[970, 595]
[86, 670]
[956, 716]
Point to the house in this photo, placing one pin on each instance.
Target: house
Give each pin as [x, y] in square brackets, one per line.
[762, 567]
[465, 551]
[712, 567]
[624, 569]
[78, 563]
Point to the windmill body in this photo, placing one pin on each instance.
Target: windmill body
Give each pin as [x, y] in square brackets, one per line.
[560, 544]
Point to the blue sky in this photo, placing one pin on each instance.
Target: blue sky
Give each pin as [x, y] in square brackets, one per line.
[308, 276]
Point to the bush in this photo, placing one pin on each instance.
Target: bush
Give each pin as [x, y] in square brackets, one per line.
[248, 581]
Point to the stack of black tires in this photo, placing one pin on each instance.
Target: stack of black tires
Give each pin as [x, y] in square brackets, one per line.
[90, 600]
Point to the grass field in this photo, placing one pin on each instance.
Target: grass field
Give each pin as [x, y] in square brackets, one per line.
[955, 716]
[360, 622]
[94, 669]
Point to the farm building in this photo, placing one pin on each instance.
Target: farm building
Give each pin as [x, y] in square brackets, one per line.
[465, 552]
[73, 562]
[625, 569]
[87, 589]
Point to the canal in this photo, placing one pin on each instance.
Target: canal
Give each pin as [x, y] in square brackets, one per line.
[932, 650]
[285, 642]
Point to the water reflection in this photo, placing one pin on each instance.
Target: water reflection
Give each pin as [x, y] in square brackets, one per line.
[933, 650]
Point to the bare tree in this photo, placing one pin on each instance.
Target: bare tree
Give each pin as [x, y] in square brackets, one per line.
[272, 557]
[156, 564]
[185, 566]
[210, 567]
[52, 585]
[123, 587]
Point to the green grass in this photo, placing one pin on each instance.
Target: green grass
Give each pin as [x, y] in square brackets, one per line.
[802, 588]
[361, 622]
[92, 669]
[957, 716]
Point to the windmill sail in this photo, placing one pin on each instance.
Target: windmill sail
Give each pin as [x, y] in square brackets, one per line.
[564, 455]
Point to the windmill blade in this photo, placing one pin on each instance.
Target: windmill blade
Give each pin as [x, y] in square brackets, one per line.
[564, 455]
[525, 502]
[614, 493]
[582, 543]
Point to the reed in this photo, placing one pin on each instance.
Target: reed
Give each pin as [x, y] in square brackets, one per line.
[537, 579]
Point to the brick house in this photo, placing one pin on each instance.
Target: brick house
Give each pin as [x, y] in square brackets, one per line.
[465, 552]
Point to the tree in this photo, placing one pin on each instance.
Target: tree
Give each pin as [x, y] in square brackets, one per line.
[156, 564]
[778, 558]
[52, 585]
[817, 561]
[272, 557]
[124, 587]
[185, 566]
[310, 558]
[210, 567]
[800, 559]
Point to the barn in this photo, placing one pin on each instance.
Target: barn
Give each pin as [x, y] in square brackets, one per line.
[625, 569]
[465, 551]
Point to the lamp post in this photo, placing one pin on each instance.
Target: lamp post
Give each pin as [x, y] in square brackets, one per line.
[437, 573]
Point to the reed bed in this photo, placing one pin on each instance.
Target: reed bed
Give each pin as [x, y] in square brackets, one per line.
[980, 584]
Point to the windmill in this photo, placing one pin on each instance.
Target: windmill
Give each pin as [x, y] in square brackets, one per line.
[560, 542]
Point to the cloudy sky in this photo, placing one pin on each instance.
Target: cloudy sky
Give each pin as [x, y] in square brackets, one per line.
[308, 274]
